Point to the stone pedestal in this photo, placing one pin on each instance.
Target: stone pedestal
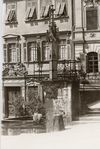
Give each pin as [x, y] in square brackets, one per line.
[62, 104]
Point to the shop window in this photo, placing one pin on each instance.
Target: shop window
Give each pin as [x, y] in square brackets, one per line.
[32, 51]
[91, 18]
[46, 51]
[31, 12]
[11, 13]
[92, 62]
[63, 50]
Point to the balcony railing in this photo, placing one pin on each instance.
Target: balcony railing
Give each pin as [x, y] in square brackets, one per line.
[66, 70]
[69, 70]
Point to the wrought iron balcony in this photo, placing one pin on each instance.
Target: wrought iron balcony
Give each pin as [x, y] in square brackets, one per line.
[70, 70]
[66, 70]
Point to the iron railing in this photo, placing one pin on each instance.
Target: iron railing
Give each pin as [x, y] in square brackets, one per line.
[66, 70]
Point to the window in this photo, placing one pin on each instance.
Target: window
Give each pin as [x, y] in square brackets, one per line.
[31, 13]
[32, 51]
[46, 51]
[12, 53]
[45, 7]
[45, 11]
[11, 13]
[92, 62]
[91, 18]
[63, 50]
[61, 8]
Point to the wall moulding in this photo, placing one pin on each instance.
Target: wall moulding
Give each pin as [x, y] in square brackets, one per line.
[91, 3]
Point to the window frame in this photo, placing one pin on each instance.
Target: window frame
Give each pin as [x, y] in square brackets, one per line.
[32, 56]
[64, 52]
[9, 12]
[60, 4]
[29, 9]
[12, 53]
[92, 62]
[90, 9]
[45, 51]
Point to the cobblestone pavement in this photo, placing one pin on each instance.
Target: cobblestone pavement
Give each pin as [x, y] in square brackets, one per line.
[83, 134]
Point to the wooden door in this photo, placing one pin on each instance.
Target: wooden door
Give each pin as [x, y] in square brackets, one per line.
[12, 94]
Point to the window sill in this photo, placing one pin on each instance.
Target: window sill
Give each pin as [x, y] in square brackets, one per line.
[46, 19]
[93, 73]
[36, 62]
[10, 23]
[92, 30]
[10, 63]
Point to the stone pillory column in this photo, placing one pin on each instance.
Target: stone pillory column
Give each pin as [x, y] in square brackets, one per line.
[52, 38]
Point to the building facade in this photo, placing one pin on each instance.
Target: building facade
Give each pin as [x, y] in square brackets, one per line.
[26, 50]
[87, 46]
[43, 43]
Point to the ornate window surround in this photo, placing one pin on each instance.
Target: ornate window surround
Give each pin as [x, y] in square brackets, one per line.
[91, 2]
[8, 40]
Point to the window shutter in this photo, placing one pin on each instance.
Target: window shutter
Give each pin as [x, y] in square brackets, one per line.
[9, 15]
[99, 62]
[25, 51]
[63, 9]
[58, 9]
[46, 12]
[38, 53]
[5, 52]
[28, 12]
[13, 16]
[42, 11]
[33, 13]
[91, 18]
[18, 49]
[83, 61]
[69, 51]
[42, 50]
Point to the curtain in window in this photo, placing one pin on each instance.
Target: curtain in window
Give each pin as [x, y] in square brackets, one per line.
[25, 51]
[46, 51]
[32, 52]
[63, 50]
[13, 52]
[5, 52]
[18, 49]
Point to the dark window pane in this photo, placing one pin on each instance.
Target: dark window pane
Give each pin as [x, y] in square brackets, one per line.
[91, 18]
